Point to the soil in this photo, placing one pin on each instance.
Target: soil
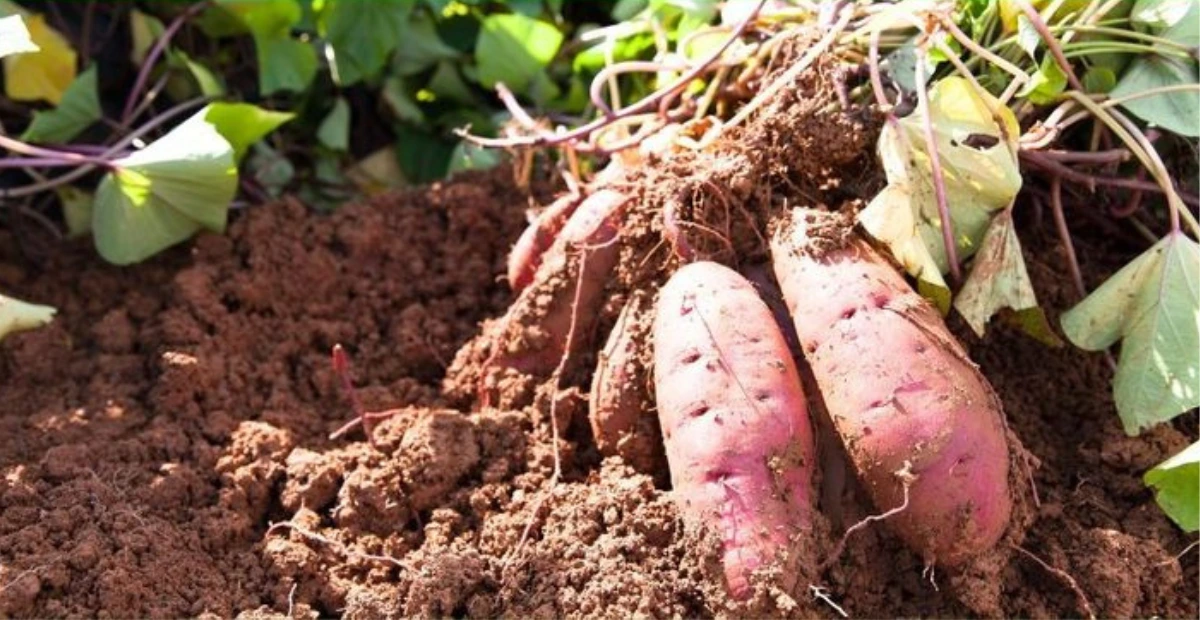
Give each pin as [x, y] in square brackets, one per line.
[166, 445]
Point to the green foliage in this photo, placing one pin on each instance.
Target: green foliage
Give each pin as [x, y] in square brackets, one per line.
[363, 33]
[1152, 306]
[242, 124]
[514, 49]
[165, 193]
[1176, 483]
[1176, 21]
[79, 108]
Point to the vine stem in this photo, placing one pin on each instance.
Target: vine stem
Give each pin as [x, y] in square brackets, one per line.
[160, 46]
[1051, 42]
[1064, 233]
[106, 156]
[935, 163]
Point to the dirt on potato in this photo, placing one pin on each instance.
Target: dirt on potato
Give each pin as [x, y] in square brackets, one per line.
[165, 451]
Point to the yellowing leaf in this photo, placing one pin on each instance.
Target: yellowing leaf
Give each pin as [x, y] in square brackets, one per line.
[980, 175]
[999, 280]
[17, 315]
[44, 74]
[1152, 306]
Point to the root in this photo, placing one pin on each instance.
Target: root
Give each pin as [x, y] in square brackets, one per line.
[337, 546]
[906, 478]
[819, 593]
[1080, 598]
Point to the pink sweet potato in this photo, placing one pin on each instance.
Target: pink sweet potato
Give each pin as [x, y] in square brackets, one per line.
[734, 422]
[900, 390]
[527, 252]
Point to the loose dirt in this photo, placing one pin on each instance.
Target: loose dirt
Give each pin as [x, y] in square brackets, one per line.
[164, 444]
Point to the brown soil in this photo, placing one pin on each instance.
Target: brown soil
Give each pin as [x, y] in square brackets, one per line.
[165, 445]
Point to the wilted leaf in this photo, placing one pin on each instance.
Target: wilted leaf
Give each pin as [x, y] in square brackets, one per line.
[334, 131]
[363, 35]
[1152, 306]
[377, 172]
[17, 315]
[513, 49]
[164, 193]
[44, 74]
[80, 107]
[243, 124]
[1176, 483]
[15, 37]
[980, 174]
[999, 280]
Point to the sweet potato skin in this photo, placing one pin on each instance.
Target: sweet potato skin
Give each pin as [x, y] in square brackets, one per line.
[537, 238]
[900, 390]
[619, 405]
[734, 421]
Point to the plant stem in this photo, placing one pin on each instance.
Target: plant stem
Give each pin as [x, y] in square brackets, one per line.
[160, 46]
[1060, 222]
[1089, 157]
[106, 156]
[1040, 160]
[1051, 41]
[935, 163]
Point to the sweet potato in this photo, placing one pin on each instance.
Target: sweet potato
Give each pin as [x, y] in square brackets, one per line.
[527, 252]
[531, 338]
[734, 421]
[619, 402]
[900, 390]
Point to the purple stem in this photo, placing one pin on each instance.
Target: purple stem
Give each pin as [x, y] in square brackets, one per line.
[160, 46]
[46, 162]
[939, 183]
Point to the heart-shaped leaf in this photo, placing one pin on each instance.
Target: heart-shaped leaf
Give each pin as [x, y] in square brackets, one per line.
[1176, 483]
[1152, 306]
[79, 108]
[164, 193]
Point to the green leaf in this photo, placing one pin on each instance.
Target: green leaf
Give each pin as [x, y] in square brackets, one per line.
[1176, 111]
[17, 315]
[243, 124]
[77, 210]
[284, 64]
[1099, 79]
[79, 108]
[363, 34]
[1047, 84]
[423, 156]
[164, 193]
[15, 37]
[1176, 483]
[1153, 306]
[402, 105]
[144, 29]
[1028, 38]
[468, 156]
[210, 85]
[264, 17]
[446, 82]
[1160, 15]
[422, 47]
[999, 280]
[980, 174]
[270, 169]
[334, 131]
[513, 49]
